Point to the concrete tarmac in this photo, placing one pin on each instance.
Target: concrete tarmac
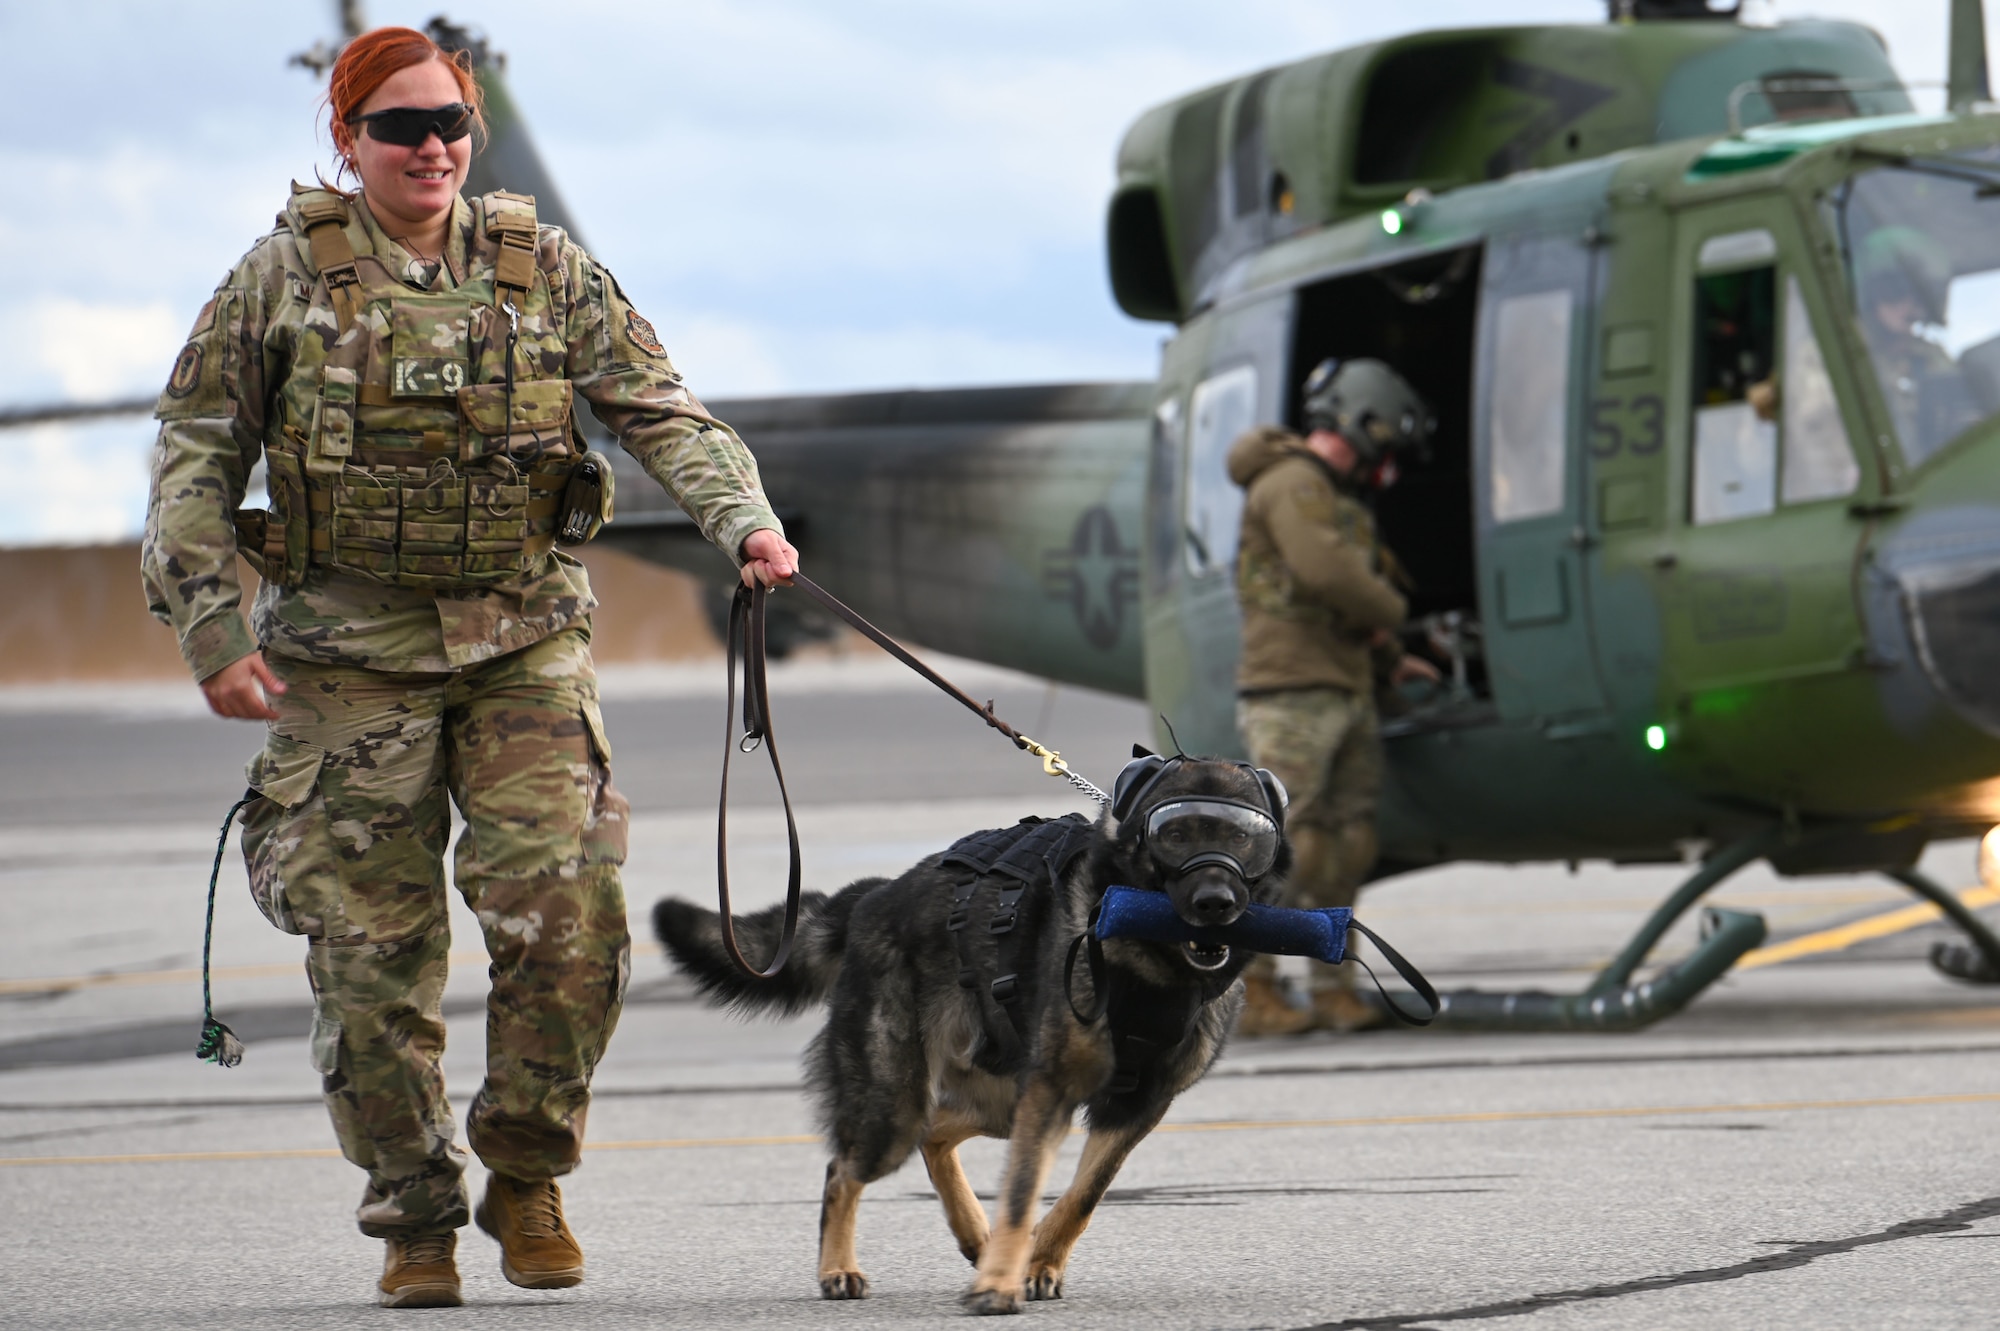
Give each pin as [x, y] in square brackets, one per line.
[1808, 1145]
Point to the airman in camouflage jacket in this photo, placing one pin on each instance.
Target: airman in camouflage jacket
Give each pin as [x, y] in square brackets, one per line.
[237, 388]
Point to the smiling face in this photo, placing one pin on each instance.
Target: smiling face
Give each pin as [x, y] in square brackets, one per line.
[409, 189]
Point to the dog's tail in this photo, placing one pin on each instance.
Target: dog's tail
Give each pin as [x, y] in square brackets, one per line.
[692, 936]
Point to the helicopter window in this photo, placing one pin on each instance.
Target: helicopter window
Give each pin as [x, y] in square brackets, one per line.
[1923, 254]
[1735, 400]
[1818, 462]
[1222, 408]
[1530, 411]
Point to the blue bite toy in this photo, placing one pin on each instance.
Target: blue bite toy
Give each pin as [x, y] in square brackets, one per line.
[1150, 917]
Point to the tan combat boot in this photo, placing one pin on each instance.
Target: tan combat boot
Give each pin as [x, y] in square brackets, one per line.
[1345, 1011]
[420, 1273]
[1266, 1011]
[537, 1251]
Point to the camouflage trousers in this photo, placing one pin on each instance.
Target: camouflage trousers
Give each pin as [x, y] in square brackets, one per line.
[347, 848]
[1325, 745]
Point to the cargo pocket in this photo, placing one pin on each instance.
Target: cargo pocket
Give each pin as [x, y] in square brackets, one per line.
[287, 842]
[607, 823]
[533, 416]
[325, 1042]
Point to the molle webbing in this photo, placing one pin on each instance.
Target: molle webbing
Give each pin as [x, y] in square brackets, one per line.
[510, 219]
[326, 216]
[1031, 857]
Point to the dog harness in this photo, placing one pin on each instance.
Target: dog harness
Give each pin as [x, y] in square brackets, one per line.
[1020, 865]
[1016, 869]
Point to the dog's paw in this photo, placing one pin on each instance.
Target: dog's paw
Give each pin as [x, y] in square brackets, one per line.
[971, 1251]
[843, 1285]
[990, 1301]
[1044, 1282]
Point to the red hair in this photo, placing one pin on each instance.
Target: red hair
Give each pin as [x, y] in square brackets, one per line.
[366, 63]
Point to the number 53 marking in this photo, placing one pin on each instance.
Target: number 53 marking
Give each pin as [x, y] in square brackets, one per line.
[1645, 416]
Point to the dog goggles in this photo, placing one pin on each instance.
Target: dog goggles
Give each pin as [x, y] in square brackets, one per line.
[1183, 835]
[409, 126]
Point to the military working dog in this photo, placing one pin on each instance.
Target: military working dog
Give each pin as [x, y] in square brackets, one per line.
[964, 999]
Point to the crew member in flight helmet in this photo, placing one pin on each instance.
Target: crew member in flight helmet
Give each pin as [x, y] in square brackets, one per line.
[1320, 602]
[405, 362]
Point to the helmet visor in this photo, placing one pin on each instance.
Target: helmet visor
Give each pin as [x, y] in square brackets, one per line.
[1179, 831]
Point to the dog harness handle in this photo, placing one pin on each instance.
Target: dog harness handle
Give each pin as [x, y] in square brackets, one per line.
[746, 636]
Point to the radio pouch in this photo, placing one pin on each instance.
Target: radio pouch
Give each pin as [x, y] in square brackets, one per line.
[586, 503]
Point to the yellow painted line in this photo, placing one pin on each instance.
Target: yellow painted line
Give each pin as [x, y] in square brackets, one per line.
[1861, 931]
[1221, 1125]
[120, 979]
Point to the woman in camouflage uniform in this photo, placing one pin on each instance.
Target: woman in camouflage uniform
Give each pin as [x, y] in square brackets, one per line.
[405, 362]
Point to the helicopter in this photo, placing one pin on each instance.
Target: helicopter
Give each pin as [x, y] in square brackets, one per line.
[1710, 553]
[1707, 539]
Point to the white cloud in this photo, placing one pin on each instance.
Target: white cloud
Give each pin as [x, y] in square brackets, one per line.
[90, 483]
[97, 351]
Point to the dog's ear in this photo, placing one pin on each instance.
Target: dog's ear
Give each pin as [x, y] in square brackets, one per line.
[1275, 794]
[1141, 751]
[1134, 781]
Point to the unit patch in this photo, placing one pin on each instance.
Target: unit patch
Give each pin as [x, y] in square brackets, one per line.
[187, 371]
[641, 333]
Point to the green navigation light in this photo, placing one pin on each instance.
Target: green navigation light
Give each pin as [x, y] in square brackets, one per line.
[1392, 221]
[1656, 738]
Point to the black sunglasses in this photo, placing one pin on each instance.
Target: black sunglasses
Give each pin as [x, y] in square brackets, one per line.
[409, 126]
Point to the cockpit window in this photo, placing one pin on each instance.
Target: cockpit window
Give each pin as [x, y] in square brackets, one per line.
[1922, 243]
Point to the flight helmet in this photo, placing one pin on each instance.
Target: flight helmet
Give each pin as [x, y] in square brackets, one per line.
[1369, 405]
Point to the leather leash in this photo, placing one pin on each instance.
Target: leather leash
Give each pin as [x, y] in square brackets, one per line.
[746, 640]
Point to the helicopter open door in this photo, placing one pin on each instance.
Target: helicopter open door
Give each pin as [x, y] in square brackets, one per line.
[1420, 316]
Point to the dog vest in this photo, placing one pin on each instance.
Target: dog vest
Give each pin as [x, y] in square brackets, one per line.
[1019, 867]
[422, 438]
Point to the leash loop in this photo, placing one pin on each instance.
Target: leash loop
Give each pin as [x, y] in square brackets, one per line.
[746, 638]
[1411, 976]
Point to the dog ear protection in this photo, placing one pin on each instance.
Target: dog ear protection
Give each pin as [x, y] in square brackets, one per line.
[1136, 779]
[1275, 794]
[1147, 767]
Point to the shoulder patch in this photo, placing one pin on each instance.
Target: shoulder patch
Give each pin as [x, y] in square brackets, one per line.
[641, 333]
[187, 371]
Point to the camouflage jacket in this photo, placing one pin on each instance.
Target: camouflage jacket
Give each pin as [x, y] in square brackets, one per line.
[234, 390]
[1313, 583]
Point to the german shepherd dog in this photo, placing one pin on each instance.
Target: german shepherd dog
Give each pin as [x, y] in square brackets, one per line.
[910, 1058]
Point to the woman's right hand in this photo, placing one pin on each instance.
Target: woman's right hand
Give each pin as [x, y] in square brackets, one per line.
[241, 689]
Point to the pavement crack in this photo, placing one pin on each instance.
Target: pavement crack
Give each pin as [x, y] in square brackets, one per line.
[1947, 1225]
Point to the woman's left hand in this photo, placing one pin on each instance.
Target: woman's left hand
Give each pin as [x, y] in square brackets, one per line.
[768, 558]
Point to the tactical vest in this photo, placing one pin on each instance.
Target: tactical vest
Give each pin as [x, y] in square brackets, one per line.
[424, 437]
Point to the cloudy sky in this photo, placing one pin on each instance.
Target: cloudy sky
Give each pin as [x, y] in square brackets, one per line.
[801, 196]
